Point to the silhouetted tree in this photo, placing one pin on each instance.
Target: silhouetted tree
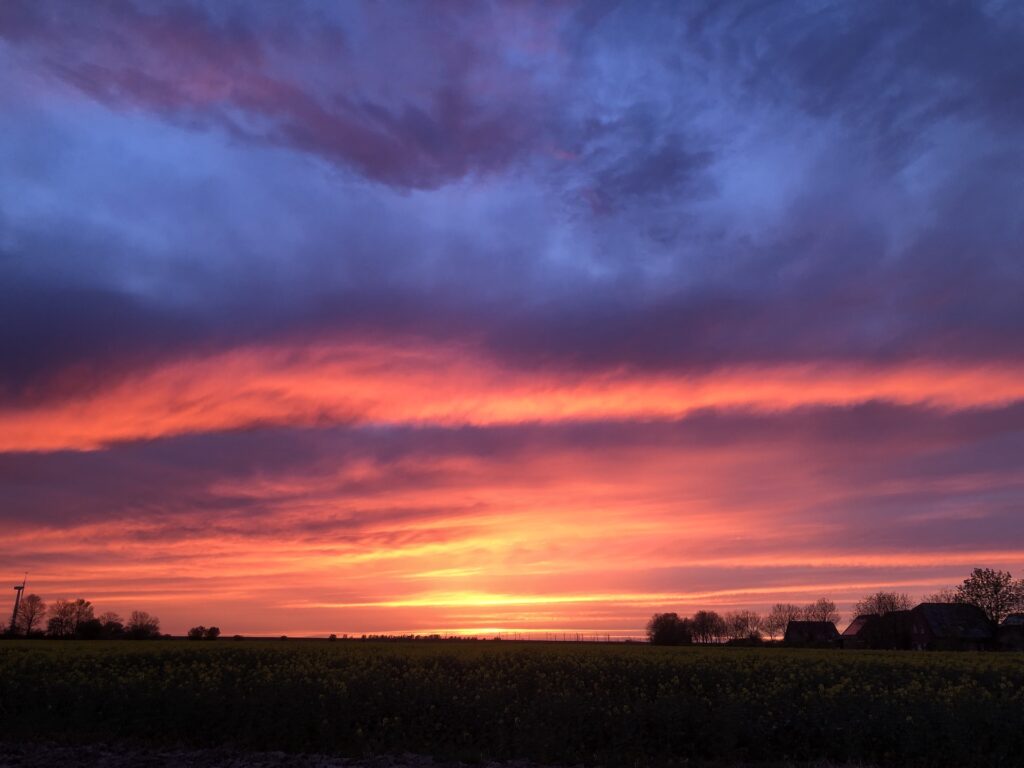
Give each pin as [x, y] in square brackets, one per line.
[743, 625]
[197, 633]
[822, 609]
[83, 612]
[142, 626]
[112, 624]
[30, 614]
[68, 617]
[995, 592]
[946, 595]
[708, 627]
[669, 629]
[91, 629]
[882, 603]
[212, 633]
[778, 618]
[61, 621]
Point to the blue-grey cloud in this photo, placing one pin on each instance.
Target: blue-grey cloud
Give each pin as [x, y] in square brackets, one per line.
[589, 186]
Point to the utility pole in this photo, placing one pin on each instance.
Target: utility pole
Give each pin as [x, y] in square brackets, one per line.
[18, 589]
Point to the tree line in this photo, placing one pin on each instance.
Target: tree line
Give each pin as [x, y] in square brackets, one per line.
[996, 592]
[77, 619]
[736, 626]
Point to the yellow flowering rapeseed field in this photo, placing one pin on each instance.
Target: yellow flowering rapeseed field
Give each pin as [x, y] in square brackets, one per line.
[608, 704]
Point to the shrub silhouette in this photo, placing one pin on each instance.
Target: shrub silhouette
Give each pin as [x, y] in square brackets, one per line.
[669, 629]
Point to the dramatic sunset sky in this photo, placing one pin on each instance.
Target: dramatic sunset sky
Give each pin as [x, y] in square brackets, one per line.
[477, 317]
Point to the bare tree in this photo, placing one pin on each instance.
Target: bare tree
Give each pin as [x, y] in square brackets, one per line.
[82, 613]
[112, 625]
[68, 618]
[708, 627]
[822, 609]
[945, 595]
[882, 603]
[30, 613]
[720, 629]
[142, 626]
[995, 592]
[61, 622]
[743, 625]
[778, 618]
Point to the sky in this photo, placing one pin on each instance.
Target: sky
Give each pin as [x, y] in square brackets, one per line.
[507, 316]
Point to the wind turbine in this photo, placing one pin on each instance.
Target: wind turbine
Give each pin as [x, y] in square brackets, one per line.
[18, 589]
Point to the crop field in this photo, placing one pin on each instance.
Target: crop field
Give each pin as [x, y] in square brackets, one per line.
[559, 703]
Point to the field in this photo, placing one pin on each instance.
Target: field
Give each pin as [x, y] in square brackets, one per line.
[558, 703]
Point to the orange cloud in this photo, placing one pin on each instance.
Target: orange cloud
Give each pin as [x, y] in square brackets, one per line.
[406, 383]
[553, 539]
[516, 520]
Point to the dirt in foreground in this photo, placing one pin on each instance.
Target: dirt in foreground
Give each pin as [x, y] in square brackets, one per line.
[45, 755]
[35, 755]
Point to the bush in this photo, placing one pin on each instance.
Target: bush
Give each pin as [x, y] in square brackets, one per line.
[669, 629]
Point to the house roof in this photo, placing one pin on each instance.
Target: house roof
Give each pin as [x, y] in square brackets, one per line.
[955, 621]
[812, 630]
[1014, 620]
[858, 624]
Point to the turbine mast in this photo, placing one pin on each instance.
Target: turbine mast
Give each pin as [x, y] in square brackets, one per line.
[18, 589]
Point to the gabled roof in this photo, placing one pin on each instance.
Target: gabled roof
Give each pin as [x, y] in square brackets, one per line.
[955, 621]
[1014, 620]
[811, 630]
[858, 624]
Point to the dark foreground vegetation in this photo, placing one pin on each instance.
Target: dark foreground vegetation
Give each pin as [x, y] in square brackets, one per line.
[559, 703]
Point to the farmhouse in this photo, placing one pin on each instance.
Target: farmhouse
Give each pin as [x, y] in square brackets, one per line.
[892, 632]
[855, 635]
[1010, 634]
[932, 626]
[951, 627]
[811, 634]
